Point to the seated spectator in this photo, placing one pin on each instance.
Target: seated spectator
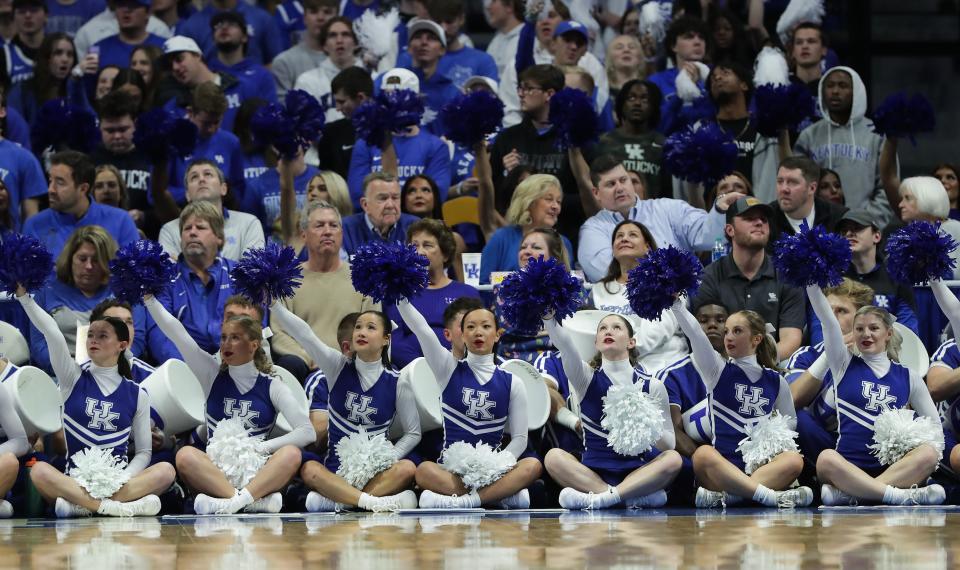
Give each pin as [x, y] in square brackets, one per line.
[29, 27]
[264, 195]
[797, 202]
[132, 18]
[325, 186]
[671, 222]
[686, 43]
[659, 342]
[323, 271]
[198, 295]
[230, 40]
[208, 106]
[381, 218]
[576, 77]
[948, 174]
[830, 187]
[506, 17]
[51, 78]
[350, 88]
[82, 273]
[131, 83]
[266, 40]
[536, 203]
[924, 198]
[808, 48]
[204, 181]
[729, 38]
[747, 280]
[21, 175]
[624, 63]
[416, 150]
[305, 19]
[420, 197]
[434, 241]
[733, 182]
[146, 60]
[105, 24]
[340, 45]
[105, 77]
[71, 207]
[109, 187]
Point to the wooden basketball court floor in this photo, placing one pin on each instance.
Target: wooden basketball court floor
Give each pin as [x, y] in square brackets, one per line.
[926, 538]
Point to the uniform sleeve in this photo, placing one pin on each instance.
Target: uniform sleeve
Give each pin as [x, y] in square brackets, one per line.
[708, 362]
[64, 365]
[204, 365]
[838, 356]
[948, 302]
[578, 372]
[330, 361]
[668, 439]
[302, 433]
[409, 417]
[784, 403]
[517, 422]
[920, 399]
[441, 361]
[142, 437]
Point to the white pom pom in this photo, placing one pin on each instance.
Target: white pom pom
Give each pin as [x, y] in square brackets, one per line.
[479, 465]
[362, 457]
[235, 453]
[375, 33]
[771, 68]
[651, 22]
[99, 471]
[687, 88]
[798, 12]
[632, 418]
[537, 9]
[897, 433]
[765, 440]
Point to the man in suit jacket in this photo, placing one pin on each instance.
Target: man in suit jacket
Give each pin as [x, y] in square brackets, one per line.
[797, 200]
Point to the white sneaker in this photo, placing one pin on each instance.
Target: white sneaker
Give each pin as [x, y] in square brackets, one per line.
[271, 503]
[317, 503]
[830, 496]
[707, 499]
[146, 506]
[518, 500]
[431, 500]
[207, 505]
[929, 495]
[67, 510]
[575, 500]
[6, 509]
[651, 501]
[391, 503]
[796, 497]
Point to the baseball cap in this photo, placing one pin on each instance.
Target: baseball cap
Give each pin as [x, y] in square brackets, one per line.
[180, 43]
[571, 26]
[481, 80]
[228, 17]
[858, 218]
[741, 206]
[418, 24]
[400, 78]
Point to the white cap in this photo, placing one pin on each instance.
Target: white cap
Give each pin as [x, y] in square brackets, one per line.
[181, 43]
[418, 24]
[475, 79]
[400, 78]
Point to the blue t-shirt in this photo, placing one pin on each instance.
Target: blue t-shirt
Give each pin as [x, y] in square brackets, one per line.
[263, 195]
[259, 81]
[289, 19]
[21, 173]
[422, 153]
[404, 346]
[222, 148]
[114, 51]
[254, 164]
[68, 18]
[19, 66]
[53, 228]
[500, 253]
[265, 40]
[460, 65]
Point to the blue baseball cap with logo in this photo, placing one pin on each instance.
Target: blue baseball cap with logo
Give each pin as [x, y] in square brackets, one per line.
[571, 26]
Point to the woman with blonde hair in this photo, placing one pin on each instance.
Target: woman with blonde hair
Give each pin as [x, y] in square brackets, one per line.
[325, 186]
[925, 198]
[109, 187]
[624, 62]
[536, 203]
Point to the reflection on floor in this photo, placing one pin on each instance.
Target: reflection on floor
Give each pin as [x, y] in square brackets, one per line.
[743, 539]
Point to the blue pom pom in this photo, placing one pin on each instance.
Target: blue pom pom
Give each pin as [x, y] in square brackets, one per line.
[812, 257]
[23, 260]
[654, 284]
[781, 106]
[543, 286]
[290, 128]
[267, 274]
[920, 252]
[574, 118]
[141, 268]
[689, 113]
[388, 272]
[61, 125]
[901, 116]
[404, 108]
[470, 118]
[369, 122]
[161, 132]
[702, 154]
[307, 115]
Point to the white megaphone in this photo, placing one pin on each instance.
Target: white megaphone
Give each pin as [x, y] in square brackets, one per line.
[13, 346]
[36, 399]
[176, 395]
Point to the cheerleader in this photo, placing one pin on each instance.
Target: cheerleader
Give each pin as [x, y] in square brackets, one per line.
[480, 402]
[604, 478]
[16, 443]
[139, 370]
[239, 387]
[866, 385]
[942, 377]
[100, 404]
[742, 390]
[365, 396]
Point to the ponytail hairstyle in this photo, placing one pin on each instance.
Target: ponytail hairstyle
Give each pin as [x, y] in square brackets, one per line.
[896, 341]
[633, 353]
[387, 332]
[253, 331]
[123, 334]
[767, 350]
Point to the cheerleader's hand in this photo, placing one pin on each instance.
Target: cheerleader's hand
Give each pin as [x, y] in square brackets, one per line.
[21, 290]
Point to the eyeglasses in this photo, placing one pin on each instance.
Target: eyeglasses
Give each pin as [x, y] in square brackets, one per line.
[521, 89]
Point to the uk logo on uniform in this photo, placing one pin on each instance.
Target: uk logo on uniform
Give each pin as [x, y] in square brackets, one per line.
[753, 402]
[478, 407]
[100, 414]
[361, 411]
[231, 410]
[878, 398]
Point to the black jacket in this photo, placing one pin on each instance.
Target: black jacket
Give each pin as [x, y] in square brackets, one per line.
[826, 214]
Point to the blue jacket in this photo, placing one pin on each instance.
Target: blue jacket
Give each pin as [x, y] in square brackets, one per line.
[356, 231]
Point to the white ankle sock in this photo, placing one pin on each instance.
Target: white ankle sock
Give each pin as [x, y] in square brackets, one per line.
[765, 496]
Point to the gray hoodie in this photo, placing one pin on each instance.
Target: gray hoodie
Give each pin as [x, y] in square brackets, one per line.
[853, 150]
